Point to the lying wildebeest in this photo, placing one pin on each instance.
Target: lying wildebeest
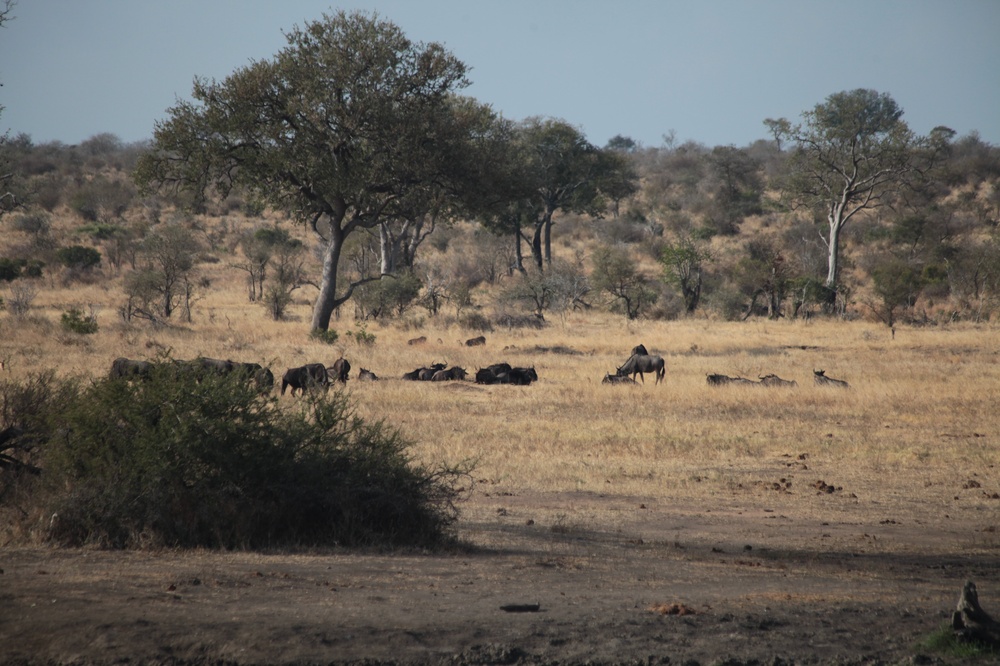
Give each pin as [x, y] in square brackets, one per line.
[617, 379]
[424, 374]
[339, 371]
[452, 373]
[124, 368]
[417, 341]
[306, 377]
[775, 380]
[719, 380]
[476, 342]
[366, 375]
[820, 377]
[502, 373]
[639, 364]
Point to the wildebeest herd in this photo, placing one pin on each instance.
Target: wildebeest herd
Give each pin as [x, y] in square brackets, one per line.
[313, 376]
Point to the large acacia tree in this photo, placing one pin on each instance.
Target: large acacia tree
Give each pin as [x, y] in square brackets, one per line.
[851, 153]
[349, 125]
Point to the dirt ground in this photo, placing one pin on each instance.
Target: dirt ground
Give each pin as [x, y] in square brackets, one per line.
[733, 579]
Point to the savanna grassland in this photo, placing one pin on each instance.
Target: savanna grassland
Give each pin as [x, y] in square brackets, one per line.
[651, 523]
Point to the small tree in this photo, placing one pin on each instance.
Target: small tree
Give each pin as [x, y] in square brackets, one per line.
[897, 284]
[615, 273]
[682, 267]
[165, 280]
[78, 257]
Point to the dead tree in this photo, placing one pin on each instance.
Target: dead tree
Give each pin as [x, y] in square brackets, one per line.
[971, 622]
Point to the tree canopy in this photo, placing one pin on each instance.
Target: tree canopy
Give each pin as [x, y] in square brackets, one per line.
[350, 125]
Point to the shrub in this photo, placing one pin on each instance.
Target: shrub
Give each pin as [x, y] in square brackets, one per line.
[172, 462]
[74, 321]
[362, 337]
[78, 257]
[328, 336]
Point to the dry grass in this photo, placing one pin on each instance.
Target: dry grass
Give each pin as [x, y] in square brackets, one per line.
[918, 420]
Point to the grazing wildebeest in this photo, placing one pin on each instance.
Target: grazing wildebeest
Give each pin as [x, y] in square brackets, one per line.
[775, 380]
[417, 341]
[476, 342]
[305, 377]
[638, 364]
[366, 375]
[820, 377]
[719, 380]
[123, 368]
[258, 374]
[639, 349]
[340, 370]
[616, 379]
[452, 373]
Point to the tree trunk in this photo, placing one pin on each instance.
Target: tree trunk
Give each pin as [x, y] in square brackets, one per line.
[836, 222]
[387, 245]
[971, 622]
[326, 301]
[536, 244]
[518, 254]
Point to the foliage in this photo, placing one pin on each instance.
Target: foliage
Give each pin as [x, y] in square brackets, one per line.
[616, 273]
[561, 287]
[74, 321]
[362, 337]
[165, 281]
[851, 153]
[326, 336]
[390, 295]
[351, 125]
[896, 284]
[78, 257]
[683, 268]
[171, 462]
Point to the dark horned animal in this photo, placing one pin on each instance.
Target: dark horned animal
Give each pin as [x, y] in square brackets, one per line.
[124, 368]
[340, 370]
[639, 364]
[304, 378]
[822, 380]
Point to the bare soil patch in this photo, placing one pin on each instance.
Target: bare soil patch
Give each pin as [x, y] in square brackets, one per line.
[737, 578]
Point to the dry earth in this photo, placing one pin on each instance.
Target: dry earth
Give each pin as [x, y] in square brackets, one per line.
[745, 577]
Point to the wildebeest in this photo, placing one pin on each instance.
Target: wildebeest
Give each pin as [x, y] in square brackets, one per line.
[424, 374]
[452, 373]
[720, 380]
[417, 341]
[476, 342]
[258, 374]
[124, 368]
[214, 366]
[340, 370]
[617, 379]
[639, 364]
[305, 377]
[639, 349]
[775, 380]
[502, 373]
[820, 377]
[366, 375]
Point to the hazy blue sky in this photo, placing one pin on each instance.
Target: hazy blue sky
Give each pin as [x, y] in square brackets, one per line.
[710, 70]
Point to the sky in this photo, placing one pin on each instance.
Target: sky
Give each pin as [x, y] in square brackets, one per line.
[708, 71]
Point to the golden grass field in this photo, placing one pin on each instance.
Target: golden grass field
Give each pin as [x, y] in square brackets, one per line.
[920, 414]
[865, 508]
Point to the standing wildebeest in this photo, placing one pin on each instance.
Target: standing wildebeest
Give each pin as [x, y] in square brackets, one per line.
[823, 380]
[639, 349]
[123, 368]
[366, 375]
[305, 377]
[476, 342]
[638, 364]
[258, 374]
[452, 373]
[339, 371]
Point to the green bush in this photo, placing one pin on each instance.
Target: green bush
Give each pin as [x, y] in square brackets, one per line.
[171, 462]
[78, 256]
[328, 336]
[74, 321]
